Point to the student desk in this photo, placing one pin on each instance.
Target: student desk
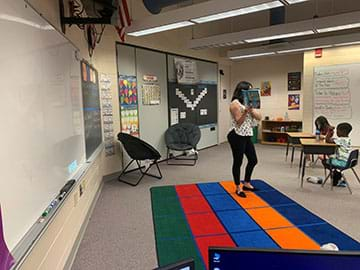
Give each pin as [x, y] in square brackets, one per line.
[294, 139]
[313, 147]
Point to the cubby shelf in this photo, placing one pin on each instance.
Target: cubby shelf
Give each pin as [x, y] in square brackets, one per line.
[274, 132]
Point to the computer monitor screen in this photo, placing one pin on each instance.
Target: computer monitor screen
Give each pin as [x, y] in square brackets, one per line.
[181, 265]
[271, 259]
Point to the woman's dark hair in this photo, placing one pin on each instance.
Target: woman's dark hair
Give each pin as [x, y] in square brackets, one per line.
[243, 85]
[321, 123]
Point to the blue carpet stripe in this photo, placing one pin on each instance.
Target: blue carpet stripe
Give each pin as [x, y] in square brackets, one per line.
[254, 239]
[298, 215]
[327, 233]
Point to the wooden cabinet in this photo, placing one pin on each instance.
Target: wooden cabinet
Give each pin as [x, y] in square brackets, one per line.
[274, 132]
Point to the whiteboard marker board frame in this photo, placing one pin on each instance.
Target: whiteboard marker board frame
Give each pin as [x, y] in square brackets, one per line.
[353, 83]
[29, 238]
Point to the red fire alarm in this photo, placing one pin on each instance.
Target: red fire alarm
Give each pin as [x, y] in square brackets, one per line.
[318, 53]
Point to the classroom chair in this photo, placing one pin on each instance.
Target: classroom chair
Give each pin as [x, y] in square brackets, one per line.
[138, 151]
[351, 163]
[182, 137]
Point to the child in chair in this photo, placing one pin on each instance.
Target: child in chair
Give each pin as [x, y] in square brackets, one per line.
[342, 152]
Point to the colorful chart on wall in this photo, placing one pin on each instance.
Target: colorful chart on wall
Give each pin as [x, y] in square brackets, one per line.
[128, 96]
[294, 102]
[265, 88]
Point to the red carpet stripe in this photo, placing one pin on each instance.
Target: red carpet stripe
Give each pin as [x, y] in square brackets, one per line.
[204, 224]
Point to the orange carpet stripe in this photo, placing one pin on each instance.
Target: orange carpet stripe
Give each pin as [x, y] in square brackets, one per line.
[251, 200]
[268, 218]
[271, 221]
[292, 238]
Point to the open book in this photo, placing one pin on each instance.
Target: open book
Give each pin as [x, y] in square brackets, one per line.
[252, 98]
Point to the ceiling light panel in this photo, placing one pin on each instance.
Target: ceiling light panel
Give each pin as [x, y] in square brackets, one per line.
[238, 12]
[160, 28]
[251, 55]
[280, 36]
[339, 27]
[295, 1]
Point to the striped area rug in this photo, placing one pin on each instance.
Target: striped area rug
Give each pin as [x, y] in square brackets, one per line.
[190, 218]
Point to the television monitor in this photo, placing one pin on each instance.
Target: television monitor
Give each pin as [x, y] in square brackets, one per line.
[181, 265]
[221, 258]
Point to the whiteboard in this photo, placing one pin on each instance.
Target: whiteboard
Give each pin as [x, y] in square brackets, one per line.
[41, 118]
[336, 96]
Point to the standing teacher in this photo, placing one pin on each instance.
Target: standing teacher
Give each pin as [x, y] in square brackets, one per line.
[239, 137]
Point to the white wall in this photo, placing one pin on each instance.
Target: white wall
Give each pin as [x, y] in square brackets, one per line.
[224, 121]
[274, 69]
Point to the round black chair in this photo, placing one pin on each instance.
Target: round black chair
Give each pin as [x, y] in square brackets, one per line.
[138, 150]
[182, 137]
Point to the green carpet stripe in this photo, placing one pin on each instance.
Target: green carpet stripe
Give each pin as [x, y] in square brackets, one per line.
[163, 192]
[173, 251]
[169, 221]
[166, 207]
[168, 227]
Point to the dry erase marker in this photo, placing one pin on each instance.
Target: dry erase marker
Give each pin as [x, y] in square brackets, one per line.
[62, 195]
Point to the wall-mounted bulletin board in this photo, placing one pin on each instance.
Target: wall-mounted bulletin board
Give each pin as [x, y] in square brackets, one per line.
[192, 94]
[91, 105]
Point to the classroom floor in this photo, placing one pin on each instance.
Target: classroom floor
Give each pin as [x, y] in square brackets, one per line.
[120, 231]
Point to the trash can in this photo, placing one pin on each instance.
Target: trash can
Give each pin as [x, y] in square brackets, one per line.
[254, 138]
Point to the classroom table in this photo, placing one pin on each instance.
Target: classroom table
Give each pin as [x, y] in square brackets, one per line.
[313, 147]
[294, 139]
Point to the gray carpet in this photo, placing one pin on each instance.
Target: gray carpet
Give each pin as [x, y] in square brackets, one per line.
[120, 231]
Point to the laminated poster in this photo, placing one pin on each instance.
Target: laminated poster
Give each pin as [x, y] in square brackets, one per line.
[128, 94]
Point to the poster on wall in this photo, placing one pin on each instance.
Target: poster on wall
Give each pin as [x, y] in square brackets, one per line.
[150, 90]
[186, 71]
[6, 259]
[294, 81]
[107, 113]
[294, 102]
[129, 104]
[265, 88]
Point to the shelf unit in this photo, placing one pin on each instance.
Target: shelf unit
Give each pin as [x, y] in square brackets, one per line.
[274, 132]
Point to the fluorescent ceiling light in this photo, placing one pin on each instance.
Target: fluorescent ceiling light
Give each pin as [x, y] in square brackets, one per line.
[251, 55]
[160, 28]
[339, 27]
[11, 18]
[295, 1]
[288, 35]
[347, 43]
[305, 49]
[238, 12]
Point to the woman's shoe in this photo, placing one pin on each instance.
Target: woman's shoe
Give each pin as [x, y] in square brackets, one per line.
[250, 189]
[240, 194]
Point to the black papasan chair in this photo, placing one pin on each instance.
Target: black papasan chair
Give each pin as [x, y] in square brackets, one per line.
[182, 137]
[138, 150]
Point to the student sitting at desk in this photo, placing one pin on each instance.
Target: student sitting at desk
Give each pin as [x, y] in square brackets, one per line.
[323, 126]
[342, 152]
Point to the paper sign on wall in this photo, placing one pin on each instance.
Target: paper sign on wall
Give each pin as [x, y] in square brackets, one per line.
[186, 71]
[174, 116]
[182, 115]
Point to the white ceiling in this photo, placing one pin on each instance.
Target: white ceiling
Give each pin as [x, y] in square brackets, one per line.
[294, 13]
